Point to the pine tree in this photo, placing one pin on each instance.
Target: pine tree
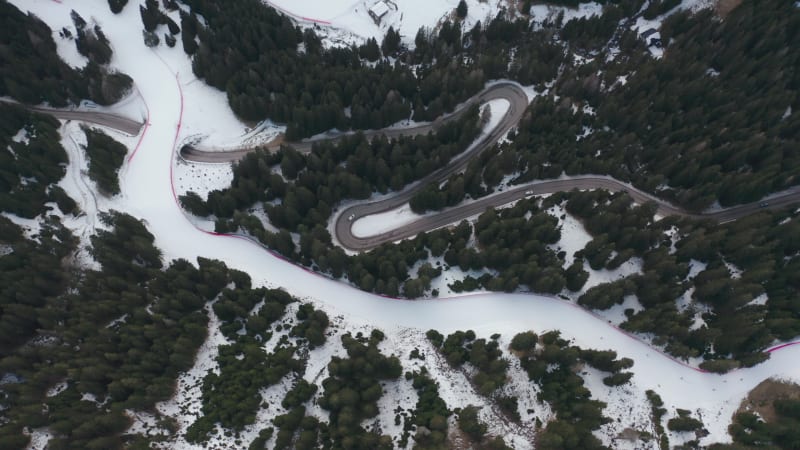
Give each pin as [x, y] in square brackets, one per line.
[150, 38]
[117, 5]
[150, 15]
[370, 50]
[391, 42]
[461, 9]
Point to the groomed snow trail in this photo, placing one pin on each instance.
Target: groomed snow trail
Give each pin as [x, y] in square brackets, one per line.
[147, 194]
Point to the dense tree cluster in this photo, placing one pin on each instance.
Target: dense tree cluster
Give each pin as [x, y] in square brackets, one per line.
[352, 390]
[265, 75]
[312, 325]
[105, 159]
[31, 162]
[429, 418]
[462, 347]
[550, 362]
[512, 242]
[684, 422]
[593, 32]
[260, 442]
[234, 311]
[781, 432]
[620, 228]
[740, 261]
[231, 398]
[91, 42]
[295, 429]
[712, 120]
[462, 9]
[32, 72]
[152, 17]
[469, 423]
[263, 53]
[32, 278]
[155, 325]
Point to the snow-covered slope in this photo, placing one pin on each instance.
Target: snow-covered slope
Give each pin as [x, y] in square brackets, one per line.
[181, 107]
[348, 21]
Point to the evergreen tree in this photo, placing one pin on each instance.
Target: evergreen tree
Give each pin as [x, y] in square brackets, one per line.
[461, 9]
[151, 15]
[391, 42]
[117, 5]
[370, 50]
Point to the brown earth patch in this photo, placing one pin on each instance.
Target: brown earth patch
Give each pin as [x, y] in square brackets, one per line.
[760, 399]
[630, 434]
[724, 7]
[276, 142]
[457, 439]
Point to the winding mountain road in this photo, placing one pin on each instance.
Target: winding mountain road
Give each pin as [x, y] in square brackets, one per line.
[503, 90]
[518, 102]
[344, 221]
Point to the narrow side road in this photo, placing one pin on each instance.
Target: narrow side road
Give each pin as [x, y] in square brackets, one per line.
[123, 124]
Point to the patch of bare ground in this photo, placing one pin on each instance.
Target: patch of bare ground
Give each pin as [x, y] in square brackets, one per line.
[457, 439]
[630, 435]
[276, 142]
[760, 399]
[724, 7]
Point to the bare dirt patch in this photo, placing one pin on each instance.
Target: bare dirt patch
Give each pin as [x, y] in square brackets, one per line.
[760, 399]
[457, 439]
[724, 7]
[276, 142]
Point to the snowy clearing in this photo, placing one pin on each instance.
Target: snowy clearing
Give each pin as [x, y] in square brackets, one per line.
[201, 178]
[385, 221]
[542, 13]
[574, 236]
[345, 22]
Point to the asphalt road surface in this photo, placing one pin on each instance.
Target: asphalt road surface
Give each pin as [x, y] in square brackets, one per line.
[509, 91]
[345, 219]
[123, 124]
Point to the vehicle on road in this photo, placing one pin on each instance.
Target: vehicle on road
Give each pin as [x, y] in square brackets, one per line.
[763, 204]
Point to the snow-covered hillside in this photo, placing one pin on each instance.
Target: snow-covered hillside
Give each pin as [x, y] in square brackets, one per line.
[182, 108]
[347, 21]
